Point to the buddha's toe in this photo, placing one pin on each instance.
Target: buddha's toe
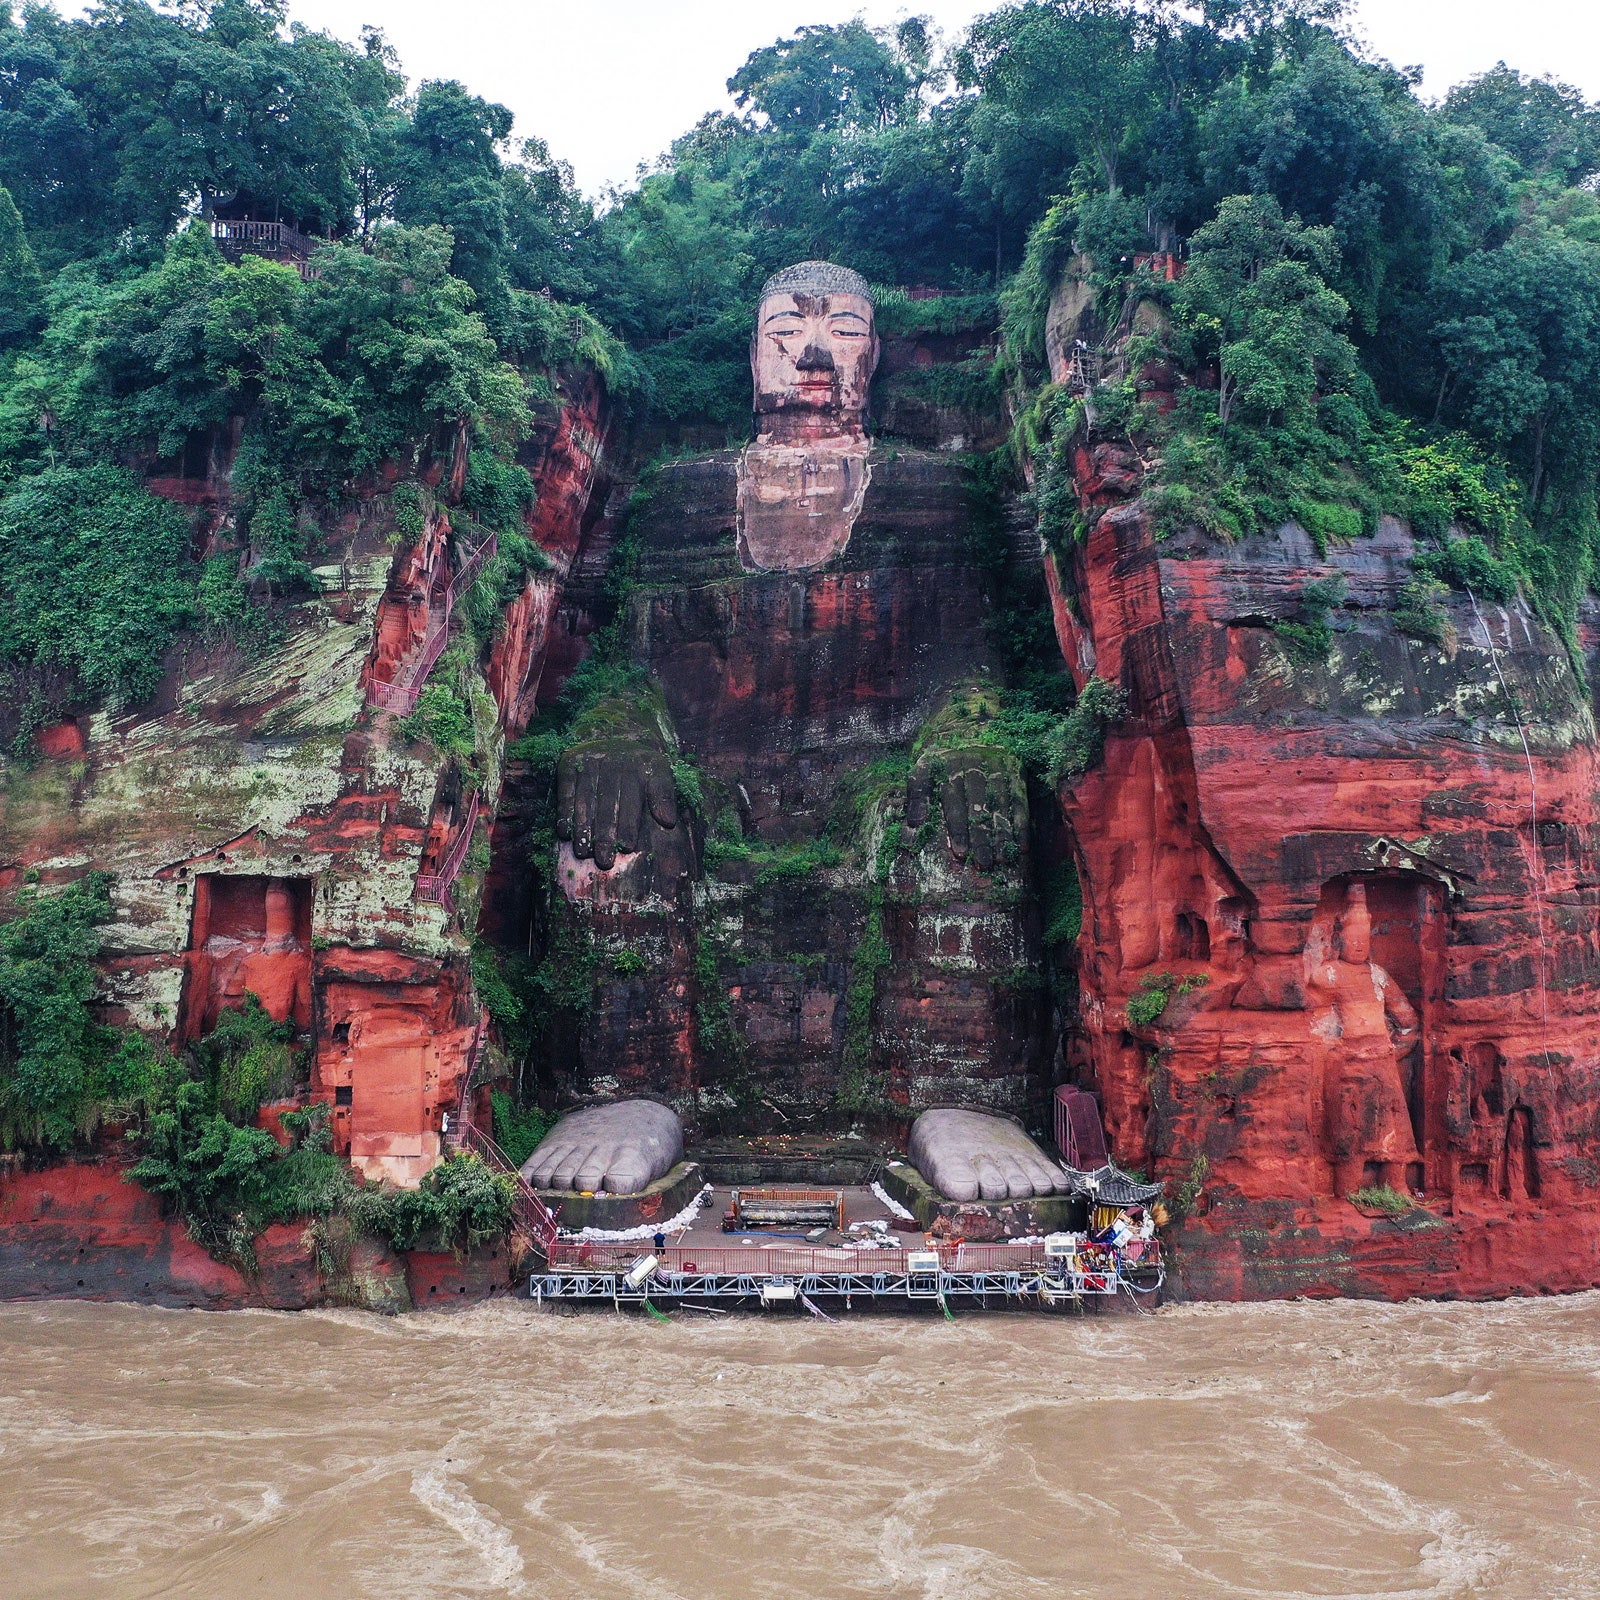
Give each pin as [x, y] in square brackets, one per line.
[993, 1182]
[540, 1168]
[591, 1173]
[955, 1177]
[577, 1160]
[627, 1170]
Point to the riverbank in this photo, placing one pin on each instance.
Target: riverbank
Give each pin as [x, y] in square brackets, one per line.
[78, 1231]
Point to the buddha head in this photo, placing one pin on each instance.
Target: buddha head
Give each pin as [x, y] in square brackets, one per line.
[1355, 928]
[814, 348]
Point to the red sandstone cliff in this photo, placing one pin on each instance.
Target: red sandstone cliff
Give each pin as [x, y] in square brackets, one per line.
[1380, 963]
[1375, 878]
[272, 829]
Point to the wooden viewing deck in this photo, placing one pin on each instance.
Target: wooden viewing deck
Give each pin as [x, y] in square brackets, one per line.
[239, 237]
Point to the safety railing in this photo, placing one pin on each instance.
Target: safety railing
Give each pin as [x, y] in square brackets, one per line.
[473, 565]
[787, 1261]
[435, 887]
[1084, 368]
[529, 1214]
[1080, 1136]
[400, 694]
[277, 241]
[461, 1118]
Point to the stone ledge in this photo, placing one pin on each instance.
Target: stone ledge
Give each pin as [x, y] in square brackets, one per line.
[657, 1202]
[817, 1162]
[981, 1221]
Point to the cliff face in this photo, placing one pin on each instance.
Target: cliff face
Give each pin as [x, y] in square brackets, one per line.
[274, 829]
[1339, 905]
[799, 698]
[1366, 884]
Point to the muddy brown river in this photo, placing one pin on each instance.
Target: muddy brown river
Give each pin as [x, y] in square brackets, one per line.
[1277, 1450]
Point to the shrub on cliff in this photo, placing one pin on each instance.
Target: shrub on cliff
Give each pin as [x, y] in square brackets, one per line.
[215, 1174]
[519, 1131]
[333, 376]
[61, 1071]
[229, 1183]
[1467, 563]
[459, 1205]
[95, 577]
[248, 1060]
[21, 290]
[378, 357]
[1148, 1003]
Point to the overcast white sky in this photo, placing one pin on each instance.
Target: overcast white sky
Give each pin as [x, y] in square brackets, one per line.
[610, 83]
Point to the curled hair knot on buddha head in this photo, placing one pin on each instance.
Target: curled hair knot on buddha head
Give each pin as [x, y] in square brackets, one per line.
[817, 277]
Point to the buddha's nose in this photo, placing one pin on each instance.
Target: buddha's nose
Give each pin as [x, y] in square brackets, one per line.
[815, 358]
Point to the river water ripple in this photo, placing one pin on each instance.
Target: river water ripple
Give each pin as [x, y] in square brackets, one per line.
[1335, 1448]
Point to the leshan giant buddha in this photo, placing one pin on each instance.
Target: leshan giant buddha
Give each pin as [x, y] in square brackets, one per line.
[804, 477]
[854, 939]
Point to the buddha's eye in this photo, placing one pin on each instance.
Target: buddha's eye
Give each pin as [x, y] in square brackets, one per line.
[848, 333]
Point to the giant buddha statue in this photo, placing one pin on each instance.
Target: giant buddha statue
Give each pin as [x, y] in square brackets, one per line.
[835, 926]
[803, 478]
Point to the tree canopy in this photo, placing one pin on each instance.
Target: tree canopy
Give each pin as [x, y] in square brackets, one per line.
[1357, 255]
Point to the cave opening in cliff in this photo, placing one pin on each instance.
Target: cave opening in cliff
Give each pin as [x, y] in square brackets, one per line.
[1193, 941]
[1522, 1168]
[248, 934]
[1490, 1130]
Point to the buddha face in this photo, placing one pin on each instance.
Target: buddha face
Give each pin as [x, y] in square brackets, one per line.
[814, 353]
[1355, 928]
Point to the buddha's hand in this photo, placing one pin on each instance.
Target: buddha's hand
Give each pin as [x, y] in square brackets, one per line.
[981, 793]
[612, 784]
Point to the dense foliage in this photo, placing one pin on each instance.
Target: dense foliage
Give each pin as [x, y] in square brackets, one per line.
[229, 1181]
[127, 340]
[97, 577]
[1357, 257]
[202, 1155]
[191, 1120]
[1380, 285]
[61, 1071]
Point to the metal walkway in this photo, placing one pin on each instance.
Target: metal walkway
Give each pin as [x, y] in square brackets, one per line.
[965, 1273]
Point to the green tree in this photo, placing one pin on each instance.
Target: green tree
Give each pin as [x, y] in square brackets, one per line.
[56, 163]
[849, 76]
[60, 1070]
[1546, 125]
[95, 577]
[548, 225]
[1256, 300]
[448, 173]
[218, 1176]
[1060, 83]
[21, 290]
[1520, 347]
[121, 121]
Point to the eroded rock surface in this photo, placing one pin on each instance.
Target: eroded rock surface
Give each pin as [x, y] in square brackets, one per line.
[1372, 913]
[273, 830]
[855, 828]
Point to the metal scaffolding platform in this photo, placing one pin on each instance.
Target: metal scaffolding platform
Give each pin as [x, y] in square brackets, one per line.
[1017, 1273]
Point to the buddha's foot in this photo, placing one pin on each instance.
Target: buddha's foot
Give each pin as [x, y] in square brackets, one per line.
[968, 1155]
[620, 1148]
